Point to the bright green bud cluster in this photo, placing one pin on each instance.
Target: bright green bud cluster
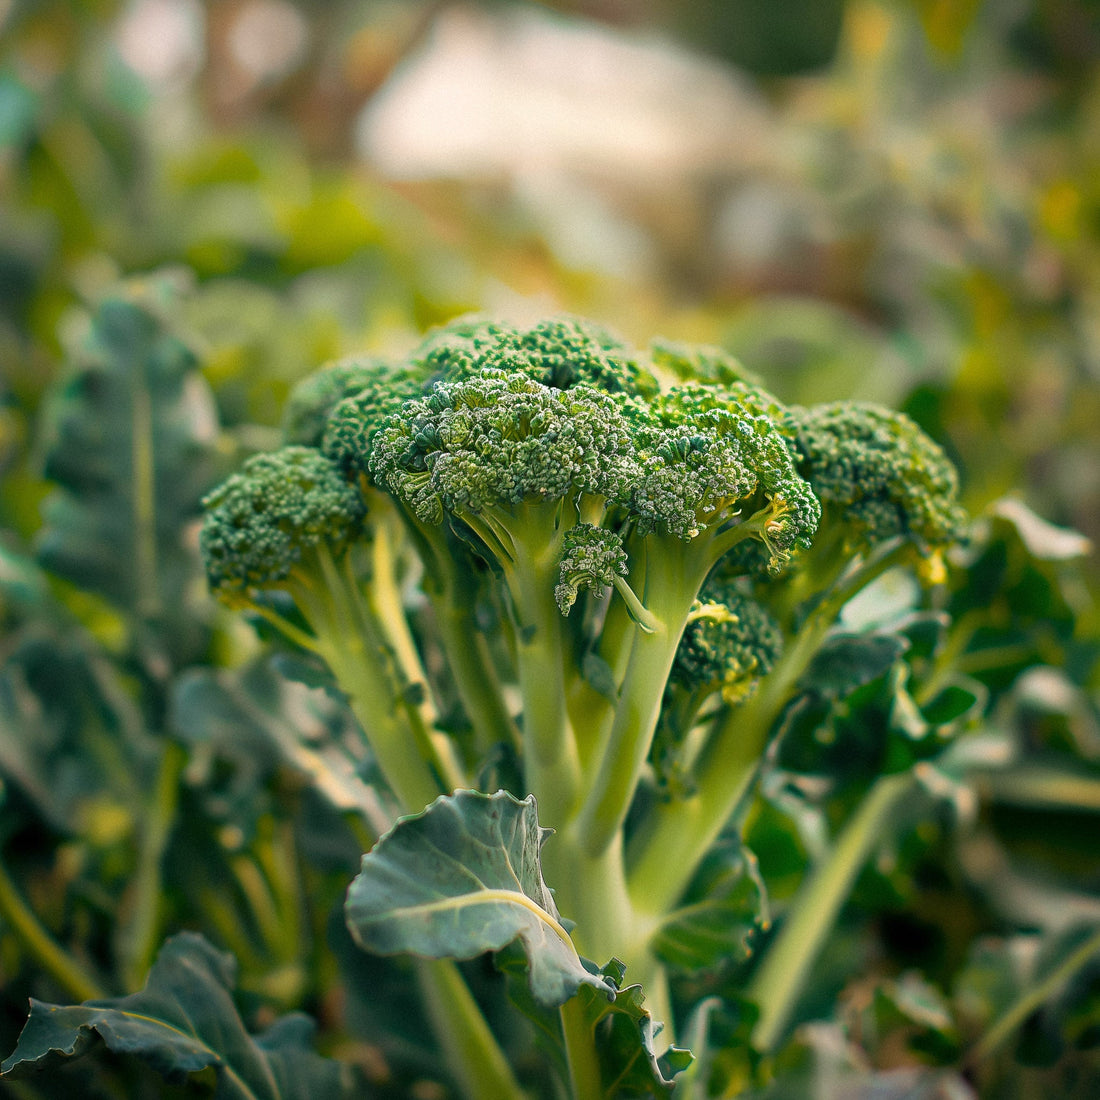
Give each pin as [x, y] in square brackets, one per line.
[592, 558]
[262, 520]
[878, 473]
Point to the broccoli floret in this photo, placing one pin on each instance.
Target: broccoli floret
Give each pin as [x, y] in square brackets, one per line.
[311, 401]
[354, 421]
[878, 475]
[716, 462]
[561, 352]
[284, 526]
[730, 642]
[266, 524]
[694, 363]
[483, 448]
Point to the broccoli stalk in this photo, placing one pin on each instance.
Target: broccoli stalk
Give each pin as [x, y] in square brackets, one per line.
[284, 526]
[889, 499]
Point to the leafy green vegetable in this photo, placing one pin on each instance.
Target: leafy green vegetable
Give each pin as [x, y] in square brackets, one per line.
[182, 1022]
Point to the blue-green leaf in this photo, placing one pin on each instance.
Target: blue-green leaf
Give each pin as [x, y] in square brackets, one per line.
[184, 1021]
[462, 878]
[131, 448]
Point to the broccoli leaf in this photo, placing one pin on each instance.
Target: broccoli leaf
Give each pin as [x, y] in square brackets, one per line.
[623, 1032]
[182, 1022]
[462, 878]
[132, 428]
[721, 914]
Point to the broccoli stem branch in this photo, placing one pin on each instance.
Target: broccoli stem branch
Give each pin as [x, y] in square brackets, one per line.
[389, 613]
[779, 980]
[674, 572]
[349, 642]
[450, 587]
[674, 839]
[527, 546]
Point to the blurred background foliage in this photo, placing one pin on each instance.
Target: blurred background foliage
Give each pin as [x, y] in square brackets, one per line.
[896, 200]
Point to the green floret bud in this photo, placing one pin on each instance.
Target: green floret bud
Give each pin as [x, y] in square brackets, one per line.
[312, 400]
[880, 474]
[355, 421]
[727, 646]
[496, 440]
[593, 558]
[262, 521]
[561, 352]
[713, 457]
[698, 363]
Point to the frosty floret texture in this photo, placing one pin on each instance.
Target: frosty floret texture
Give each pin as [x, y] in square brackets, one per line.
[592, 558]
[261, 521]
[497, 439]
[560, 352]
[311, 401]
[712, 455]
[878, 472]
[355, 421]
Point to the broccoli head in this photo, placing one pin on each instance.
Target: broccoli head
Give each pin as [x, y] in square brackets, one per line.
[311, 401]
[878, 475]
[263, 521]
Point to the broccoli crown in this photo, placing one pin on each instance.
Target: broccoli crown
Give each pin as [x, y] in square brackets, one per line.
[592, 557]
[311, 401]
[698, 363]
[709, 454]
[262, 520]
[879, 473]
[728, 646]
[497, 439]
[354, 422]
[561, 352]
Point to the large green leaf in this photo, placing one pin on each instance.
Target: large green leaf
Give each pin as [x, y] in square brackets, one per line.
[182, 1022]
[131, 429]
[462, 878]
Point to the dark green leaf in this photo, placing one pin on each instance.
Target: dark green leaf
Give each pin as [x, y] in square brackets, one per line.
[184, 1021]
[260, 720]
[623, 1032]
[849, 661]
[132, 429]
[462, 878]
[721, 914]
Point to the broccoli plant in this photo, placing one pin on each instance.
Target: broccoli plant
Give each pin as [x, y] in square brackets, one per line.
[614, 568]
[579, 599]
